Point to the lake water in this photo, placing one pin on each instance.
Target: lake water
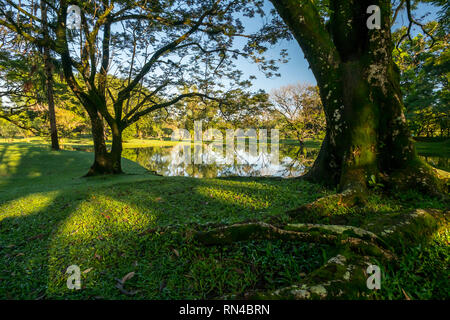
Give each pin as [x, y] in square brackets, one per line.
[213, 162]
[170, 161]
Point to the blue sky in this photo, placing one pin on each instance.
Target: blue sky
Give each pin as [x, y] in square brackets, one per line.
[296, 70]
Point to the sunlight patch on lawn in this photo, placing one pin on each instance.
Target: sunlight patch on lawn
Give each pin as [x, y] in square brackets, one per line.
[101, 217]
[10, 160]
[234, 197]
[100, 233]
[27, 205]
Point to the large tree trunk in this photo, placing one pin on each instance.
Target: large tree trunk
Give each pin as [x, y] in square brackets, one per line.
[366, 132]
[49, 81]
[105, 162]
[359, 86]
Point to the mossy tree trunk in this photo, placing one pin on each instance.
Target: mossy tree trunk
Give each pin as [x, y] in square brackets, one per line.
[359, 86]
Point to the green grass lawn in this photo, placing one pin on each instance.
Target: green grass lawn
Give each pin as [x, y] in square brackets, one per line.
[441, 148]
[51, 218]
[132, 143]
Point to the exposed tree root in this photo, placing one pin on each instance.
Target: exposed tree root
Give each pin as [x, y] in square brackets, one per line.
[408, 228]
[421, 177]
[345, 275]
[416, 174]
[104, 165]
[332, 235]
[337, 230]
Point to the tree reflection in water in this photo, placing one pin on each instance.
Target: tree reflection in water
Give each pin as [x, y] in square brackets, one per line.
[293, 161]
[169, 161]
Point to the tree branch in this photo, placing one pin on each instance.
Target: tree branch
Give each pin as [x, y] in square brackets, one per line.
[124, 94]
[412, 21]
[138, 115]
[305, 23]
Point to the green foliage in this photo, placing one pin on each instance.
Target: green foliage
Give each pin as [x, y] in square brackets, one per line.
[425, 70]
[298, 112]
[373, 182]
[9, 130]
[23, 83]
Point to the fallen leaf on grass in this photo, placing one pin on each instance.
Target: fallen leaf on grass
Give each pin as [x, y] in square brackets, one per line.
[105, 215]
[162, 285]
[128, 276]
[152, 230]
[239, 271]
[406, 296]
[42, 296]
[87, 270]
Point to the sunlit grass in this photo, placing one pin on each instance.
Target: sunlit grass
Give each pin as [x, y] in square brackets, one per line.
[27, 205]
[102, 216]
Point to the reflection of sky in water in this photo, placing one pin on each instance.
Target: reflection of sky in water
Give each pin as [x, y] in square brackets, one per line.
[214, 162]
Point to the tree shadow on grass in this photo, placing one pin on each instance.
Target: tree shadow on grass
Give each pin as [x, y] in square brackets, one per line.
[37, 169]
[111, 230]
[110, 227]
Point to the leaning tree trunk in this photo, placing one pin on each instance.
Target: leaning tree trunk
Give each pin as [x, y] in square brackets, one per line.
[366, 130]
[105, 162]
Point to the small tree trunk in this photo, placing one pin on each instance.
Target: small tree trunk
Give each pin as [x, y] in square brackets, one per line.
[116, 149]
[300, 139]
[49, 81]
[105, 162]
[51, 102]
